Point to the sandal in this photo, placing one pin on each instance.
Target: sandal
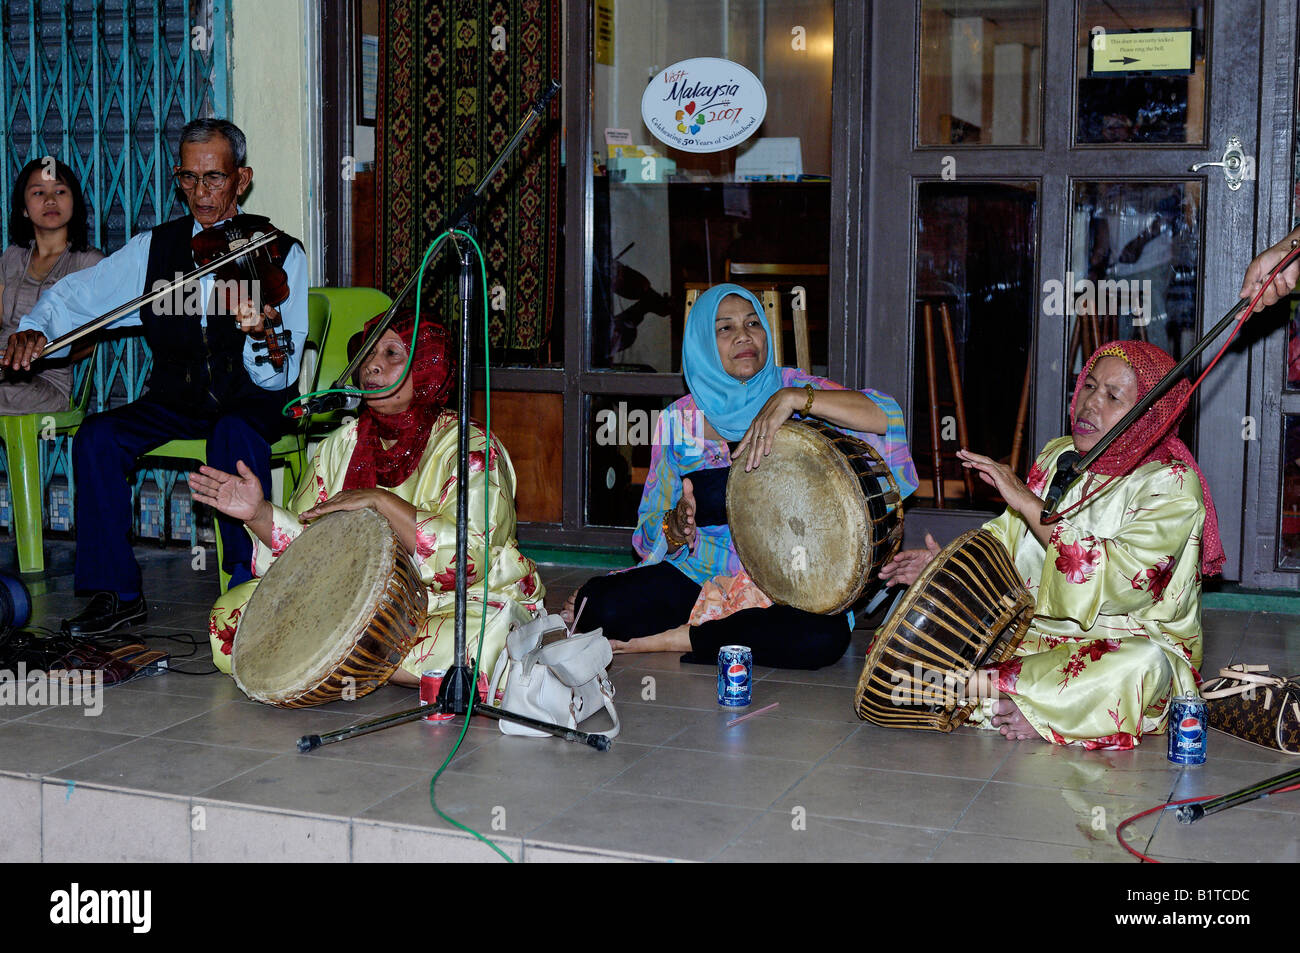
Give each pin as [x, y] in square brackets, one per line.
[118, 665]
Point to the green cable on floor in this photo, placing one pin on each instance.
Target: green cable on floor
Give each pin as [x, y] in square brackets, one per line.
[487, 530]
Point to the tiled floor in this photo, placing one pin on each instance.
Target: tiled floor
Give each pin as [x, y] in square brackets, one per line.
[185, 768]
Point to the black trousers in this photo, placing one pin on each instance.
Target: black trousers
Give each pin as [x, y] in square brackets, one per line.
[652, 599]
[104, 456]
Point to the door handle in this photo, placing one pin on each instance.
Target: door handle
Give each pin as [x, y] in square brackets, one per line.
[1233, 164]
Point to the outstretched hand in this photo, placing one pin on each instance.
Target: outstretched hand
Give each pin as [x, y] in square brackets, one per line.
[1003, 479]
[237, 496]
[907, 565]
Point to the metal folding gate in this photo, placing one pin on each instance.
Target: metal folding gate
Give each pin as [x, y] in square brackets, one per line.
[105, 86]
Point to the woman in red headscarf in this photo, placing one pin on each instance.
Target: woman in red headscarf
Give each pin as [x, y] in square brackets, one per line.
[1117, 580]
[400, 458]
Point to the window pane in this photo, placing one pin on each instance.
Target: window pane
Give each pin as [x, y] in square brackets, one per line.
[1133, 259]
[1141, 72]
[976, 244]
[1134, 253]
[729, 206]
[981, 74]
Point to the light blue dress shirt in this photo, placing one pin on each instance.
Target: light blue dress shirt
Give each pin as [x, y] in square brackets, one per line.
[85, 295]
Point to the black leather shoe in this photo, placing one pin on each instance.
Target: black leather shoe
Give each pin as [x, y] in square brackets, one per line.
[104, 614]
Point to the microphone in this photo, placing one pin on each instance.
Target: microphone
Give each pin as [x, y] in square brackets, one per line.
[1065, 475]
[324, 403]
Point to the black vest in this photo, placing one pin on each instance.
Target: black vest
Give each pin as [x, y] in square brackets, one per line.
[195, 369]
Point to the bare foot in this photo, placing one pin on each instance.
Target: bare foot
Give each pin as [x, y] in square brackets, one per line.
[674, 640]
[567, 612]
[1009, 720]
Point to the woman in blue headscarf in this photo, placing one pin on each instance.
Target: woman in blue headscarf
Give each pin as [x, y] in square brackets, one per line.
[690, 593]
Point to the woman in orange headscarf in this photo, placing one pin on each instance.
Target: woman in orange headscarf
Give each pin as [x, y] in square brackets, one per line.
[399, 457]
[1117, 580]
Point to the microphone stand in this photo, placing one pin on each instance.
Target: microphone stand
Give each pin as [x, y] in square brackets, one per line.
[457, 694]
[1070, 467]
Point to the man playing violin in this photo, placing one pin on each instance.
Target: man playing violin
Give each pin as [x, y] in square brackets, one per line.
[206, 381]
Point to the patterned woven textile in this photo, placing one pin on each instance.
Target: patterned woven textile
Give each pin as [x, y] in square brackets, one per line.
[456, 78]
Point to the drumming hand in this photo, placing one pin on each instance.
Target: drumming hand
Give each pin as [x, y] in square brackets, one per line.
[1255, 275]
[239, 497]
[346, 500]
[681, 521]
[905, 567]
[23, 348]
[1003, 479]
[779, 408]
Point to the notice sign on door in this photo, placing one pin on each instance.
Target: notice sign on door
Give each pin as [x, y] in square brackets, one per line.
[1168, 52]
[704, 105]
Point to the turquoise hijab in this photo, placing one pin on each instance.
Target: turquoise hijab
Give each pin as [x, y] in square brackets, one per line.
[729, 404]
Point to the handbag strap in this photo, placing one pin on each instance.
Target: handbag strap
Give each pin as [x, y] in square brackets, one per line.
[607, 692]
[607, 695]
[1249, 680]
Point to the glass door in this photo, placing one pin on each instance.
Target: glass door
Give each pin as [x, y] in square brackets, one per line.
[1035, 187]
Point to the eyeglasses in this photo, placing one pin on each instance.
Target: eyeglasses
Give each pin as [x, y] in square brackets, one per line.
[188, 181]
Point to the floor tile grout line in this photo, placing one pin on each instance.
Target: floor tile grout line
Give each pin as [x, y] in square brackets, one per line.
[598, 788]
[971, 803]
[767, 810]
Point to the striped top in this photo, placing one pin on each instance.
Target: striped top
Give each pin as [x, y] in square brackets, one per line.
[680, 448]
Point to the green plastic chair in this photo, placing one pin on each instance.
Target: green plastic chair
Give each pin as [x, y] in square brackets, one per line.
[20, 434]
[291, 449]
[350, 309]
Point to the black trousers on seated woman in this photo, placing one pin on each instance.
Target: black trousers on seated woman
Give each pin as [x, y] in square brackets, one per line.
[651, 599]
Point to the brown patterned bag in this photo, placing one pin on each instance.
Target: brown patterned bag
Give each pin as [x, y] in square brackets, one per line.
[1252, 705]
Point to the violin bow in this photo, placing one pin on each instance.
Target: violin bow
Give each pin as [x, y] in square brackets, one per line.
[136, 304]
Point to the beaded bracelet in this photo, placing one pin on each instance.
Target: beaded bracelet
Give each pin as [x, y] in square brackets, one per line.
[809, 402]
[668, 534]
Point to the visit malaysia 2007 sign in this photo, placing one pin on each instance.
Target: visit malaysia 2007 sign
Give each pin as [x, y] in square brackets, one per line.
[704, 105]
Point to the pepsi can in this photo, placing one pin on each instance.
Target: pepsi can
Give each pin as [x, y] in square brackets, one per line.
[735, 675]
[1188, 730]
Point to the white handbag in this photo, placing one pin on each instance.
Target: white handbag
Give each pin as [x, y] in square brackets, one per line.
[564, 682]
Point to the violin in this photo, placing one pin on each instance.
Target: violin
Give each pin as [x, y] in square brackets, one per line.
[243, 242]
[260, 270]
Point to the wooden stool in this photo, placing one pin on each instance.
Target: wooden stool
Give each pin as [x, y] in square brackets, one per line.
[926, 304]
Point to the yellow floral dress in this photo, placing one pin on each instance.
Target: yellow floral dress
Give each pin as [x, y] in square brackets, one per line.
[1117, 624]
[515, 591]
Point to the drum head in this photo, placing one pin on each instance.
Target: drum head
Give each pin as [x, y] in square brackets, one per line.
[800, 522]
[313, 604]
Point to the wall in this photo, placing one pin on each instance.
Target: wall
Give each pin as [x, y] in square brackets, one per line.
[271, 59]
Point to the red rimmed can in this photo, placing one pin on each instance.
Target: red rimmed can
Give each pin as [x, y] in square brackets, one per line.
[430, 683]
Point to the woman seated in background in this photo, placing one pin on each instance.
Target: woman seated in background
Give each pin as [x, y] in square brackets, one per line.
[400, 458]
[690, 593]
[1116, 631]
[48, 230]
